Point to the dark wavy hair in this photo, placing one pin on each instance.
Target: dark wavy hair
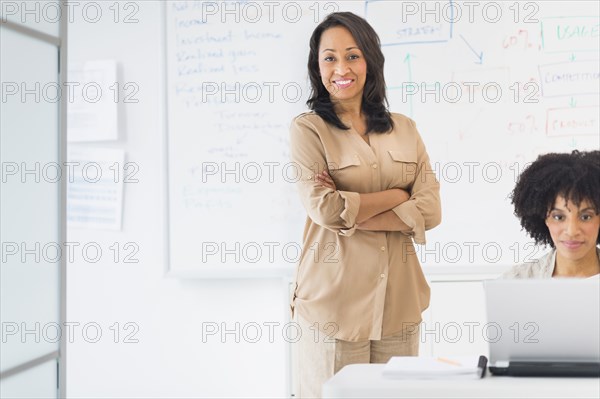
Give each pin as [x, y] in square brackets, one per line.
[374, 101]
[574, 176]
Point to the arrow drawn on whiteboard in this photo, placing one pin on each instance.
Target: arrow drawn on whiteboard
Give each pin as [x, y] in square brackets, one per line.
[478, 55]
[573, 142]
[409, 67]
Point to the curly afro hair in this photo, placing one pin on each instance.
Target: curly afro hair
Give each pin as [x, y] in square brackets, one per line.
[574, 176]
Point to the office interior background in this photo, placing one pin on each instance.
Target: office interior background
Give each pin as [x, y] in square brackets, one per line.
[150, 224]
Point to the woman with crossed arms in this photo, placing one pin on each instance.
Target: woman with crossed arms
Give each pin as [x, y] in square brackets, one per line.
[369, 191]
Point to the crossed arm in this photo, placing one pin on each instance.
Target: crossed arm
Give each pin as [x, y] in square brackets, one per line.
[374, 213]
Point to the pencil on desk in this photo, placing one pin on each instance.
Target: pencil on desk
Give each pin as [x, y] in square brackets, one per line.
[444, 360]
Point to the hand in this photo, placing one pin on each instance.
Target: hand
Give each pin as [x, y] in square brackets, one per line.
[325, 180]
[363, 225]
[405, 194]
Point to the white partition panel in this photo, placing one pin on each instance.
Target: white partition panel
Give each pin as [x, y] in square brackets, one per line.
[21, 386]
[32, 176]
[43, 15]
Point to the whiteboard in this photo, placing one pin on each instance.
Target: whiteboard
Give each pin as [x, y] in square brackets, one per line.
[491, 85]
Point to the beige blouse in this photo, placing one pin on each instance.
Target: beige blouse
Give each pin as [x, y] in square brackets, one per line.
[355, 284]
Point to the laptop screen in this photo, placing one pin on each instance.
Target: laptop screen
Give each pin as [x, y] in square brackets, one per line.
[543, 320]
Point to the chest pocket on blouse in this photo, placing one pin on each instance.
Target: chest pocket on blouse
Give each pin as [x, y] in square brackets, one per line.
[345, 171]
[403, 169]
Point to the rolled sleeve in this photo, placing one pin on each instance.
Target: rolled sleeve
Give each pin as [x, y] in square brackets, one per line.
[348, 215]
[333, 210]
[410, 215]
[423, 210]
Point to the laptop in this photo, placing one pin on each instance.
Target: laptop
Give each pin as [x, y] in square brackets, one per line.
[548, 327]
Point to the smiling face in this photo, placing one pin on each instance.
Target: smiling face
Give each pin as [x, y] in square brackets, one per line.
[574, 230]
[342, 65]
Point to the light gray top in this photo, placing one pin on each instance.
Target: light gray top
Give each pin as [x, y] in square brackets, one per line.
[539, 268]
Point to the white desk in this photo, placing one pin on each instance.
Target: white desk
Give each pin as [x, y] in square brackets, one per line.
[366, 381]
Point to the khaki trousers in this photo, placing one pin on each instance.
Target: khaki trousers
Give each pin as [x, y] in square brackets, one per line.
[318, 358]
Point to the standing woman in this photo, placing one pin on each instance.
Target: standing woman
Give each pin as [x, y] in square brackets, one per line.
[368, 189]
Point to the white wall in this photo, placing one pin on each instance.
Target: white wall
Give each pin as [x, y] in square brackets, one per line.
[170, 359]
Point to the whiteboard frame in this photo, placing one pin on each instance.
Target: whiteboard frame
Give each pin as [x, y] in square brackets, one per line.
[441, 272]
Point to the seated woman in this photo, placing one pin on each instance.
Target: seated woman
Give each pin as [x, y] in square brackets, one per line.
[557, 199]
